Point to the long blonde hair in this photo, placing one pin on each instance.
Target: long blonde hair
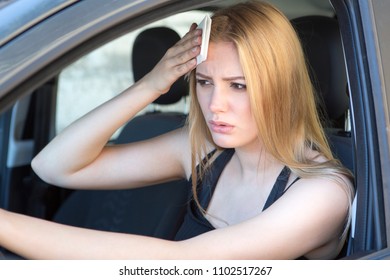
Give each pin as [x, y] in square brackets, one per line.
[281, 93]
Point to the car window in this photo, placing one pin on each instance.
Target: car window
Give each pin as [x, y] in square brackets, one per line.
[106, 71]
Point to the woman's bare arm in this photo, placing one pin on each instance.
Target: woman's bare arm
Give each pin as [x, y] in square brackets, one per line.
[79, 155]
[34, 238]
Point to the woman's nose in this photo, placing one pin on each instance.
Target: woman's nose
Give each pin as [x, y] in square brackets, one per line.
[218, 101]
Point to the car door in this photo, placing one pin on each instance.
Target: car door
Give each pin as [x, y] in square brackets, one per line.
[364, 28]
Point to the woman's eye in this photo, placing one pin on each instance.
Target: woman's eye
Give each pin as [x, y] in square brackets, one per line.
[202, 82]
[238, 86]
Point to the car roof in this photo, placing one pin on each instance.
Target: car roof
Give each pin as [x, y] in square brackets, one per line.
[19, 15]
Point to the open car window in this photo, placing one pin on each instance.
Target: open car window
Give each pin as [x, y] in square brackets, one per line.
[106, 71]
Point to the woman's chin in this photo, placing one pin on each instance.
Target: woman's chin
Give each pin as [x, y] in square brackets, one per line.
[224, 143]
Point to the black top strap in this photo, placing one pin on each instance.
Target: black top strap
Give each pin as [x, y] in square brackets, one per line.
[278, 188]
[207, 187]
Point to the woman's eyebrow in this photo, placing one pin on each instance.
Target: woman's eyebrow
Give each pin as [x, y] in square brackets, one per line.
[202, 76]
[225, 78]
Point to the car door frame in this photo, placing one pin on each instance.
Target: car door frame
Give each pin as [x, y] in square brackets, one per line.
[359, 26]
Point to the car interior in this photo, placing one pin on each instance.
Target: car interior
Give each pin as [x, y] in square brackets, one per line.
[156, 210]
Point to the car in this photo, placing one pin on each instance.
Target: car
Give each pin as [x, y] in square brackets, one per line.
[59, 59]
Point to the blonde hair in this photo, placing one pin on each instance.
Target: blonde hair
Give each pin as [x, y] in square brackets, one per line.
[280, 90]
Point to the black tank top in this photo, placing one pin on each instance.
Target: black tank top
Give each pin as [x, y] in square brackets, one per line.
[195, 222]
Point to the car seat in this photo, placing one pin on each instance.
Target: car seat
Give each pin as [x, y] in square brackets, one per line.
[156, 210]
[321, 41]
[149, 47]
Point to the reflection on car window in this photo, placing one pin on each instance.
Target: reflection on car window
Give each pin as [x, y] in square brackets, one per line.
[106, 71]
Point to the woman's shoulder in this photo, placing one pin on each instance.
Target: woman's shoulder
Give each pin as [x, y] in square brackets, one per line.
[326, 185]
[328, 171]
[328, 177]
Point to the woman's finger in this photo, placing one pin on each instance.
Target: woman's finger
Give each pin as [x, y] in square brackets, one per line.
[177, 61]
[193, 26]
[191, 39]
[185, 56]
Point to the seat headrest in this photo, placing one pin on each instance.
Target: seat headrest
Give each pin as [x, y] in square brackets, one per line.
[321, 41]
[149, 47]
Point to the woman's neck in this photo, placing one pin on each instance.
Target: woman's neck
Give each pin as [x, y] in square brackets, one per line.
[255, 161]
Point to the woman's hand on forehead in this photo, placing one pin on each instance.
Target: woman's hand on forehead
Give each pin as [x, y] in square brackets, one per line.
[177, 61]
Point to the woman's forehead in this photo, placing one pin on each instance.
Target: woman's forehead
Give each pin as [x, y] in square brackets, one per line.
[222, 61]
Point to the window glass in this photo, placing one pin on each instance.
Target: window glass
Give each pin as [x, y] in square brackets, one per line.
[106, 71]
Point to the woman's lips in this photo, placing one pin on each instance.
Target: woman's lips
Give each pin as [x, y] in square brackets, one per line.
[220, 127]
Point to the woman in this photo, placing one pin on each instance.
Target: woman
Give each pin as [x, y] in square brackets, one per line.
[265, 183]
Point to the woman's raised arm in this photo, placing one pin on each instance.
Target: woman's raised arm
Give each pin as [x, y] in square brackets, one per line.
[78, 157]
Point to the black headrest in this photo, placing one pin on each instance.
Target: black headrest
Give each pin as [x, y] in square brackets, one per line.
[321, 42]
[149, 47]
